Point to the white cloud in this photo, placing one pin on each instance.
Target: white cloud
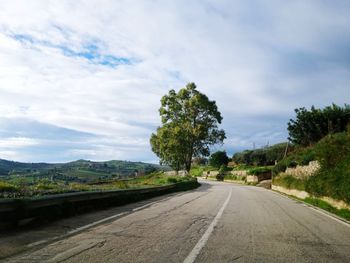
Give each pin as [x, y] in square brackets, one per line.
[257, 60]
[17, 142]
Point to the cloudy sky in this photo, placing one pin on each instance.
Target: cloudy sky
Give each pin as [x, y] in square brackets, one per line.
[83, 79]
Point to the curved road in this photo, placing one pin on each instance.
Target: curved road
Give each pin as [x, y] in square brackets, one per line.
[218, 222]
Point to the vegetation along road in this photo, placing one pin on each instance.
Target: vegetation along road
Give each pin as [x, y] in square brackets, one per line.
[217, 222]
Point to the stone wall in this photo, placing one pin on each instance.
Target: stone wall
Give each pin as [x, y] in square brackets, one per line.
[174, 173]
[239, 173]
[302, 195]
[210, 173]
[252, 179]
[293, 192]
[303, 171]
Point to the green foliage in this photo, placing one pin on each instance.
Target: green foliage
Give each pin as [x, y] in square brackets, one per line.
[196, 171]
[312, 125]
[222, 169]
[218, 159]
[263, 156]
[7, 187]
[332, 149]
[234, 177]
[345, 213]
[259, 170]
[289, 182]
[81, 171]
[189, 127]
[300, 156]
[46, 187]
[333, 178]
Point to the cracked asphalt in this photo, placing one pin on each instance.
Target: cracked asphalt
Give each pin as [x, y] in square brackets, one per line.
[257, 225]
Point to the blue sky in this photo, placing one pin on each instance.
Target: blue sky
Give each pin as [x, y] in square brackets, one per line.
[83, 79]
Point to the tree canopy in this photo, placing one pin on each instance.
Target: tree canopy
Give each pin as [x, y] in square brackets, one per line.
[218, 159]
[262, 156]
[189, 127]
[312, 125]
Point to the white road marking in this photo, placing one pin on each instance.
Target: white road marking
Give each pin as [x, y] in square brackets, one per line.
[330, 216]
[315, 208]
[83, 246]
[201, 243]
[79, 229]
[146, 205]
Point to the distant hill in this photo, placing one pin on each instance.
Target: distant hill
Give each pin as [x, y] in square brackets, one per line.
[80, 170]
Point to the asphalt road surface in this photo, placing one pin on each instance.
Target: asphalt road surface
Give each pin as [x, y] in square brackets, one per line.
[218, 222]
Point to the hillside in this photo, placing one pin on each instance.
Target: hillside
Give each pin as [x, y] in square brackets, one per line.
[80, 170]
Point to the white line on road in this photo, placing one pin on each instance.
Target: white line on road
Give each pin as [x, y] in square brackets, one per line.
[315, 208]
[79, 229]
[201, 243]
[76, 230]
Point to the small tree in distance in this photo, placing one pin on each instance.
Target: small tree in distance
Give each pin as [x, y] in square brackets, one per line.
[218, 159]
[189, 127]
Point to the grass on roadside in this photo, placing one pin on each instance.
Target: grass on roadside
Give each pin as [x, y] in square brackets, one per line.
[47, 187]
[344, 213]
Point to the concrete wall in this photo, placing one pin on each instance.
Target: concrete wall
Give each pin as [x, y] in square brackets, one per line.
[239, 173]
[252, 179]
[293, 192]
[210, 173]
[303, 171]
[174, 173]
[302, 195]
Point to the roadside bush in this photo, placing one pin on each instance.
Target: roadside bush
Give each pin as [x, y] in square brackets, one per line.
[301, 156]
[7, 187]
[332, 149]
[196, 171]
[289, 182]
[333, 179]
[172, 180]
[45, 186]
[259, 170]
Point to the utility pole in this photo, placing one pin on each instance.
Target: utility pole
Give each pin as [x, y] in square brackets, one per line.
[285, 152]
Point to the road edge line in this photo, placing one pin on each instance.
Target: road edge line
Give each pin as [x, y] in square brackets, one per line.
[315, 208]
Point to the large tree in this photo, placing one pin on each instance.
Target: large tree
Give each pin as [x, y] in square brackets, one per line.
[189, 127]
[312, 125]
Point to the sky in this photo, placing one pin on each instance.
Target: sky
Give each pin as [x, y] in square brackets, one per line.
[84, 79]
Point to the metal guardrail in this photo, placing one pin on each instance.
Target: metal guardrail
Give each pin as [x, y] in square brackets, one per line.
[11, 205]
[46, 208]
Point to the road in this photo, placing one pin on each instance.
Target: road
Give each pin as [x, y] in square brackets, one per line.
[218, 222]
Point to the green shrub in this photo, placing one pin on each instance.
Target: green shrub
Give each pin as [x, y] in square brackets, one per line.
[345, 213]
[289, 182]
[196, 171]
[300, 156]
[7, 187]
[121, 185]
[172, 180]
[259, 170]
[333, 179]
[332, 149]
[45, 186]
